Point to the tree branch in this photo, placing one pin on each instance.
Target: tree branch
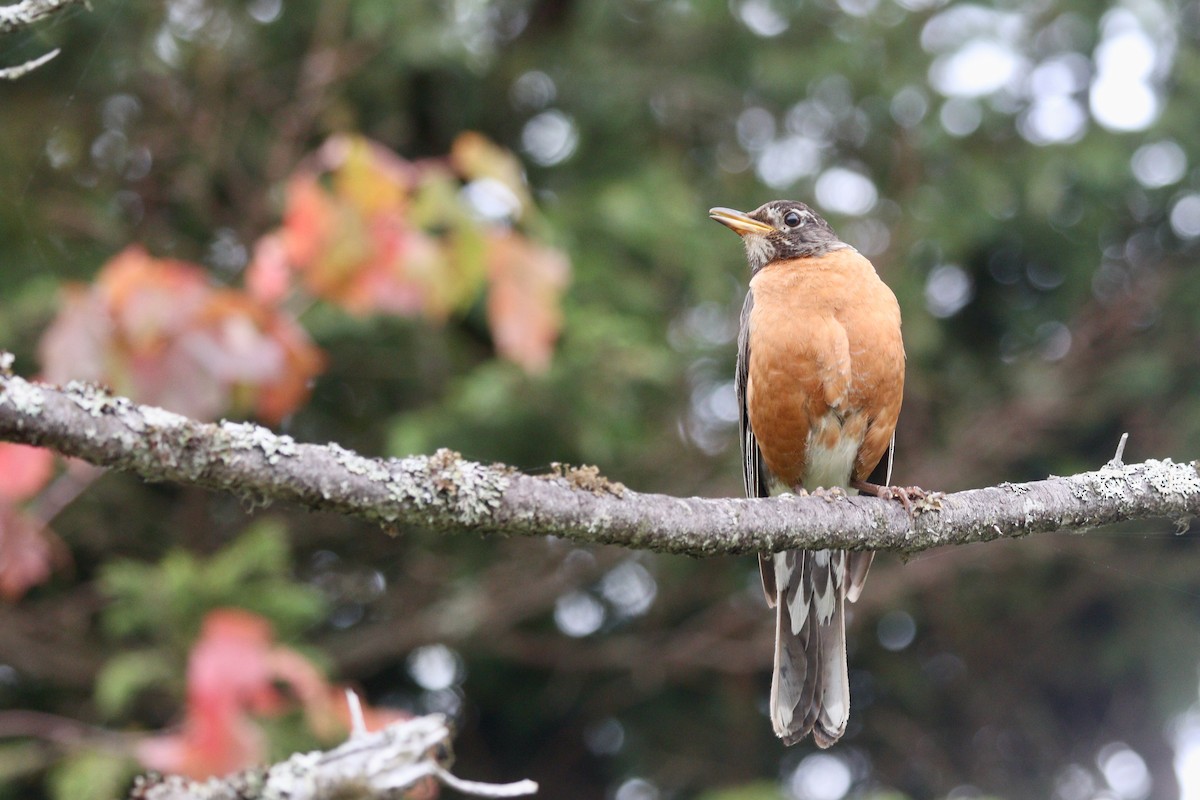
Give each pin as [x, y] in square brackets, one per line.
[20, 70]
[18, 16]
[445, 492]
[386, 763]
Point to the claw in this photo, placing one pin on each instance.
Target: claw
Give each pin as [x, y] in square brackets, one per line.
[924, 500]
[830, 494]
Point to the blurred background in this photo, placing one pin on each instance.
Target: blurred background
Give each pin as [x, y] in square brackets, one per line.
[1024, 175]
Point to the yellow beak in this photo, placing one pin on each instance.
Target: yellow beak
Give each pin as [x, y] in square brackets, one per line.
[738, 222]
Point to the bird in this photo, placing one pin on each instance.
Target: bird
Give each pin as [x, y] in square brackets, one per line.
[819, 383]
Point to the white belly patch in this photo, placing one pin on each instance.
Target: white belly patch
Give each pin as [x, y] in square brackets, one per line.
[829, 466]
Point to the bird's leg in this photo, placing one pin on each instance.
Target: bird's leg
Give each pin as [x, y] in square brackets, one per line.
[830, 494]
[905, 494]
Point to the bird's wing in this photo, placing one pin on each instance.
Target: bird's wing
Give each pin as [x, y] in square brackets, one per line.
[753, 472]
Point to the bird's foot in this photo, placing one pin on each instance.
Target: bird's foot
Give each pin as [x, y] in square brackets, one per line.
[828, 495]
[913, 498]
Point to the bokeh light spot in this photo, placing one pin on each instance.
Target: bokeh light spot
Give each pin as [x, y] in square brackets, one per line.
[896, 630]
[960, 117]
[1125, 771]
[820, 776]
[1159, 164]
[550, 137]
[979, 68]
[637, 789]
[435, 667]
[947, 289]
[630, 588]
[578, 614]
[1185, 216]
[844, 191]
[761, 17]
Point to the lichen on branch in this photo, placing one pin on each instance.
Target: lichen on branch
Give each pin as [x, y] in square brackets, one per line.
[447, 493]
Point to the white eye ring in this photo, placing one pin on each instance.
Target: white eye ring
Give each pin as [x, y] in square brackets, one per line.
[791, 219]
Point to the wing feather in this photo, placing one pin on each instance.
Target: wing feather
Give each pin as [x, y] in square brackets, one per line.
[754, 474]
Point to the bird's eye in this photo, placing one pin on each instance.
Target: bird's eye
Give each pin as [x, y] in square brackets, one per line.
[791, 219]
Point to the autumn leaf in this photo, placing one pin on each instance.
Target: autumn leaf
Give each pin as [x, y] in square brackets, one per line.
[115, 331]
[28, 552]
[236, 672]
[269, 275]
[231, 673]
[157, 331]
[369, 176]
[373, 233]
[308, 219]
[256, 352]
[526, 282]
[477, 158]
[24, 470]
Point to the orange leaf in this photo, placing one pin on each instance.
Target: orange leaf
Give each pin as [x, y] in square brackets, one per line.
[307, 219]
[255, 352]
[149, 299]
[526, 285]
[155, 330]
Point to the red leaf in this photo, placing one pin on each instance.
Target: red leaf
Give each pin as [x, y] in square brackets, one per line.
[269, 276]
[24, 470]
[231, 673]
[28, 552]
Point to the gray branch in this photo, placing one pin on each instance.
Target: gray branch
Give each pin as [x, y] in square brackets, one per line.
[388, 763]
[20, 70]
[18, 16]
[445, 492]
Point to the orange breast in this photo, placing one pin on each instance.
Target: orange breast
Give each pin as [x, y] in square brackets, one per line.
[826, 363]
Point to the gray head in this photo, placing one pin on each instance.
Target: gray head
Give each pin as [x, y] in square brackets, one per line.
[779, 230]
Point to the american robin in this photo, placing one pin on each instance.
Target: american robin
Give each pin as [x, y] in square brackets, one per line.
[820, 374]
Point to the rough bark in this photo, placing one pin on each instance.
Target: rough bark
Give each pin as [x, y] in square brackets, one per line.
[18, 16]
[445, 492]
[394, 762]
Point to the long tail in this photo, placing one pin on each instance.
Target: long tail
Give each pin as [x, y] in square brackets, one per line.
[810, 688]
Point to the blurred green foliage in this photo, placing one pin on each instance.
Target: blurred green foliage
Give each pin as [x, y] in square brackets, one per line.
[1042, 248]
[165, 602]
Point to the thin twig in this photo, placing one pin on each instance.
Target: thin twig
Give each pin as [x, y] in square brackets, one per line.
[1117, 459]
[17, 16]
[12, 73]
[380, 764]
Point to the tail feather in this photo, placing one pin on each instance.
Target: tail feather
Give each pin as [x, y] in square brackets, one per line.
[810, 688]
[858, 563]
[835, 690]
